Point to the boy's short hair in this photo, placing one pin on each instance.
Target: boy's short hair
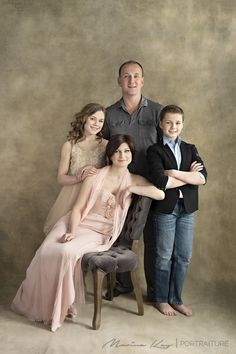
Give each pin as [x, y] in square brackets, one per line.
[171, 108]
[130, 62]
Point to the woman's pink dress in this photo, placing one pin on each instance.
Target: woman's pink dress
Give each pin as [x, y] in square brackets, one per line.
[54, 279]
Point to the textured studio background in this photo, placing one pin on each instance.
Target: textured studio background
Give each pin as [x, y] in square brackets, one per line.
[57, 56]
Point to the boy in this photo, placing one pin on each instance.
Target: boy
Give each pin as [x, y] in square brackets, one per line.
[175, 167]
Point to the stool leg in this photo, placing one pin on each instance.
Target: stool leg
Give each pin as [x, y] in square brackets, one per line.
[111, 282]
[137, 291]
[84, 279]
[98, 277]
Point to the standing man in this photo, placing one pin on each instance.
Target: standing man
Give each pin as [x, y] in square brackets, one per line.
[137, 116]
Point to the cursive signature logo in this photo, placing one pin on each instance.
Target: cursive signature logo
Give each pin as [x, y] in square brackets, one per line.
[157, 343]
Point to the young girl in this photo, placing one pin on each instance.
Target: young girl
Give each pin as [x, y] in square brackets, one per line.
[54, 279]
[81, 153]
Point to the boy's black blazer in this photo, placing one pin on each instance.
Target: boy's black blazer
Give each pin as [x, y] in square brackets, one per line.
[160, 158]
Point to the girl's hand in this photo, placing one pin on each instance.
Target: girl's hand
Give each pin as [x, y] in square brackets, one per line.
[67, 237]
[196, 167]
[86, 171]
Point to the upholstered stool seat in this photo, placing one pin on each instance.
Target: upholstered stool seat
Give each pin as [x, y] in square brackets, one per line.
[117, 259]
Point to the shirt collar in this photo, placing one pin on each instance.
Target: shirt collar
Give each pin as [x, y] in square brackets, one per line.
[143, 103]
[168, 141]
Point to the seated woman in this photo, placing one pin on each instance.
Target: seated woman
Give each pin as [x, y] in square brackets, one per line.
[54, 279]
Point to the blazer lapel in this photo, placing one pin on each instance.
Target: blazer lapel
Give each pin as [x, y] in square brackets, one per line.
[183, 155]
[170, 155]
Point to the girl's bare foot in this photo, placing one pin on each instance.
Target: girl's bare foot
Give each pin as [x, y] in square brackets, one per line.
[165, 309]
[183, 309]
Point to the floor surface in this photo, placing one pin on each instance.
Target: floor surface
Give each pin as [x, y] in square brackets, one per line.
[210, 330]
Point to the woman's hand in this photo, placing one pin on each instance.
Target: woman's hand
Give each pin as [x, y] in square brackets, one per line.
[67, 237]
[86, 171]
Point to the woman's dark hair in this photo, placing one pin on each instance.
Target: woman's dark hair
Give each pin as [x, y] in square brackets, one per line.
[171, 108]
[77, 132]
[114, 143]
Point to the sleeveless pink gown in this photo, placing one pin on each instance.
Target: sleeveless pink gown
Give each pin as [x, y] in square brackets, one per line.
[54, 279]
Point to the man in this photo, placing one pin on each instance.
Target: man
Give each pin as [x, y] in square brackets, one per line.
[137, 116]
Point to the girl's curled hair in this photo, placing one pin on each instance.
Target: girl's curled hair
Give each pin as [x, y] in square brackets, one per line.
[77, 131]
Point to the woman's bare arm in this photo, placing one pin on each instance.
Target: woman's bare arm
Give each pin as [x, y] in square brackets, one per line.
[78, 208]
[143, 187]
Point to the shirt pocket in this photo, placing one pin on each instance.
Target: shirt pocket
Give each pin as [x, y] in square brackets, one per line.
[119, 123]
[147, 121]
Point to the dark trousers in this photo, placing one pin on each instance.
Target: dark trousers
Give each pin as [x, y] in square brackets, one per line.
[149, 257]
[123, 280]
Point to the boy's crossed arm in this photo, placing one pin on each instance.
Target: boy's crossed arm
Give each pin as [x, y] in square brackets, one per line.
[179, 178]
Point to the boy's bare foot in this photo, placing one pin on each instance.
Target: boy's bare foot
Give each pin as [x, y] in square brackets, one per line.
[183, 309]
[165, 309]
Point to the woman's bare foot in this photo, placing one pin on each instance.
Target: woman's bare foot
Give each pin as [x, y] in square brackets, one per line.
[165, 309]
[71, 312]
[183, 309]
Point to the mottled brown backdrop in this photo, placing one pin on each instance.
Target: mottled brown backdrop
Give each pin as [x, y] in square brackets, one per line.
[58, 55]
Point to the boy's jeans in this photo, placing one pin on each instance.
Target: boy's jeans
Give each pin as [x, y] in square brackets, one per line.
[170, 244]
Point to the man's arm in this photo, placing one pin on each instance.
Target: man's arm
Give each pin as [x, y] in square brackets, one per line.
[158, 129]
[106, 130]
